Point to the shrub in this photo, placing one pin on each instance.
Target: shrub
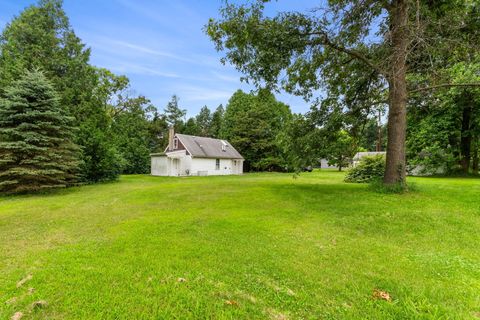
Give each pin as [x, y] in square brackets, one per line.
[368, 170]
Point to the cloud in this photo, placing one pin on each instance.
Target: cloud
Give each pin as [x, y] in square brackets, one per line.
[151, 51]
[133, 68]
[199, 93]
[121, 47]
[227, 78]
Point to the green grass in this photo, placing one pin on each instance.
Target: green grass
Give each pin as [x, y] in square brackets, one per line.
[280, 248]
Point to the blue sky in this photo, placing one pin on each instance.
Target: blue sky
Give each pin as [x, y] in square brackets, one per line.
[160, 46]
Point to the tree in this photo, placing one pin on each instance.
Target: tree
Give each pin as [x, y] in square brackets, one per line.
[216, 124]
[174, 114]
[131, 133]
[340, 149]
[158, 132]
[302, 142]
[444, 126]
[251, 124]
[191, 127]
[36, 147]
[204, 121]
[41, 37]
[300, 52]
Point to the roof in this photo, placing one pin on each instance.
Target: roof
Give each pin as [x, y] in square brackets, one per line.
[158, 154]
[360, 155]
[202, 147]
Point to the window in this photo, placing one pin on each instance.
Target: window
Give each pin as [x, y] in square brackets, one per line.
[224, 145]
[175, 143]
[217, 164]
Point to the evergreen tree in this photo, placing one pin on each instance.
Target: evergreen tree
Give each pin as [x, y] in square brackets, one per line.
[217, 122]
[36, 148]
[41, 37]
[191, 127]
[204, 120]
[174, 114]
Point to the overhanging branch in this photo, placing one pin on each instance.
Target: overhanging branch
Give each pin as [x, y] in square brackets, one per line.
[446, 85]
[325, 40]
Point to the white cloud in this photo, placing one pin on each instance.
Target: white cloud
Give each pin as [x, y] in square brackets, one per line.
[198, 93]
[143, 49]
[225, 77]
[131, 68]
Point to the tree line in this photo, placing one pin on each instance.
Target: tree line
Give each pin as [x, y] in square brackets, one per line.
[64, 121]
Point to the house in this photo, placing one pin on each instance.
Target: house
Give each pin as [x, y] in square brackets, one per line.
[359, 155]
[188, 155]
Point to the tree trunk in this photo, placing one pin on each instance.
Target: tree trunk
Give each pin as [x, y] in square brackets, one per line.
[466, 136]
[475, 159]
[395, 170]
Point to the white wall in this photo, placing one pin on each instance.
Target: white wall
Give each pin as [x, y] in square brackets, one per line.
[208, 167]
[159, 166]
[163, 166]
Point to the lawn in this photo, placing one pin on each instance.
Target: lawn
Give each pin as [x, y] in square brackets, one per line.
[258, 246]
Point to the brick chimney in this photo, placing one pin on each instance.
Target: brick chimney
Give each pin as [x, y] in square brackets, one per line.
[171, 134]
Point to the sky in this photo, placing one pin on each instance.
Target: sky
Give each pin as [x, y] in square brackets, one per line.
[160, 46]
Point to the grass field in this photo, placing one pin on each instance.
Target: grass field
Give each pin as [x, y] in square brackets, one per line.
[258, 246]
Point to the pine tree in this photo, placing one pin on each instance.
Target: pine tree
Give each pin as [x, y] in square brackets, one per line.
[36, 148]
[204, 121]
[174, 113]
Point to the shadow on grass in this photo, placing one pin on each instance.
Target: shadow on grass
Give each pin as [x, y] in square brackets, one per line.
[54, 191]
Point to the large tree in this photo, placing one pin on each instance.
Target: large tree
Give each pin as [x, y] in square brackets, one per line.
[301, 52]
[174, 114]
[36, 133]
[204, 121]
[217, 122]
[252, 123]
[41, 37]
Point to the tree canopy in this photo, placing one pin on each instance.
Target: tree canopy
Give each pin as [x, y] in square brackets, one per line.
[364, 52]
[36, 137]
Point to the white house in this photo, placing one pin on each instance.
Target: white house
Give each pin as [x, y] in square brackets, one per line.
[188, 155]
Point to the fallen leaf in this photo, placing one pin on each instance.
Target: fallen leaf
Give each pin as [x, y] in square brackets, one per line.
[383, 295]
[17, 316]
[39, 304]
[181, 280]
[22, 282]
[231, 302]
[31, 291]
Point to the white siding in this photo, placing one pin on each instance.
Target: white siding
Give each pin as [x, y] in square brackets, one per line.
[203, 166]
[159, 166]
[186, 165]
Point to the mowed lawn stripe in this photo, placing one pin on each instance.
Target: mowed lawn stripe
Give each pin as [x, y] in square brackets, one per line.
[253, 246]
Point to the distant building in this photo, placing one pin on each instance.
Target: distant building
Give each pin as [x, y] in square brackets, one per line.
[359, 155]
[325, 165]
[188, 155]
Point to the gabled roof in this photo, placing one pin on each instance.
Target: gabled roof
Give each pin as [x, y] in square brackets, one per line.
[202, 147]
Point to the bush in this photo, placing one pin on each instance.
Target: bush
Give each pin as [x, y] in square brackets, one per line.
[368, 170]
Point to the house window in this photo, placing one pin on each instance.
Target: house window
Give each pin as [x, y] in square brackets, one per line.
[175, 144]
[217, 164]
[224, 145]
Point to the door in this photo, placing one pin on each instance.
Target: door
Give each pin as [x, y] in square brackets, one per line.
[175, 167]
[235, 167]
